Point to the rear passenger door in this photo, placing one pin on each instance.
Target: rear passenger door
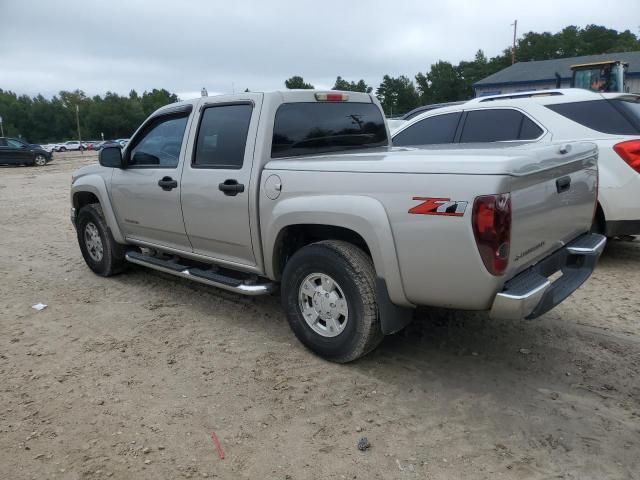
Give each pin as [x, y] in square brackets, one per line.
[216, 180]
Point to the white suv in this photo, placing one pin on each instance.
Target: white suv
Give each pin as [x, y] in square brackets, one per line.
[611, 120]
[71, 145]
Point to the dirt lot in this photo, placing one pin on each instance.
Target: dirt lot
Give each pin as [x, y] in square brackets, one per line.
[127, 377]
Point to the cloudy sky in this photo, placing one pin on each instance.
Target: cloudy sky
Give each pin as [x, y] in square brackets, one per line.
[183, 45]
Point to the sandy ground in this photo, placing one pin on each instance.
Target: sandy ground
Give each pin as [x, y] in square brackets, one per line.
[127, 377]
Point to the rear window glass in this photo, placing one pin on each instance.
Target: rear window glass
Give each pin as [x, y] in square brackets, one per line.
[495, 125]
[599, 115]
[312, 128]
[631, 109]
[432, 130]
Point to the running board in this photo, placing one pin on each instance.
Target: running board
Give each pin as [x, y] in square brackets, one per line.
[203, 276]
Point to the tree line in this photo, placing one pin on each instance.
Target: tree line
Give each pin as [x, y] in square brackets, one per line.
[43, 120]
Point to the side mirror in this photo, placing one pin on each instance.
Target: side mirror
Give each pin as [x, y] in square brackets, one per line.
[111, 157]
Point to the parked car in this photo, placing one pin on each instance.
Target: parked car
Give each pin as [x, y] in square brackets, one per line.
[71, 145]
[309, 196]
[122, 141]
[16, 151]
[611, 120]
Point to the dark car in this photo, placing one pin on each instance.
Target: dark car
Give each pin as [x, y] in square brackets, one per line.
[16, 151]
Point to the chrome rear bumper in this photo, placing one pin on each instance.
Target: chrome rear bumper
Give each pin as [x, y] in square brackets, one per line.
[531, 294]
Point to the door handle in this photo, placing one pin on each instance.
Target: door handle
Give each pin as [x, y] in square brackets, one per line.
[231, 187]
[167, 184]
[563, 184]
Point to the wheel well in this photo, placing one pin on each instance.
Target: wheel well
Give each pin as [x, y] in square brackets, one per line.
[81, 199]
[294, 237]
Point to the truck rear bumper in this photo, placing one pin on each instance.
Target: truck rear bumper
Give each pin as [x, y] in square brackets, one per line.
[531, 293]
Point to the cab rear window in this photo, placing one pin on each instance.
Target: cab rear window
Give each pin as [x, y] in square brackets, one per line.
[318, 127]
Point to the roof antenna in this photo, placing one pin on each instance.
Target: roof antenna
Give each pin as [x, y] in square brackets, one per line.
[203, 92]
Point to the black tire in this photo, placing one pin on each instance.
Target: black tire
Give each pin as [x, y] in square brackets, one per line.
[39, 161]
[353, 271]
[112, 260]
[63, 149]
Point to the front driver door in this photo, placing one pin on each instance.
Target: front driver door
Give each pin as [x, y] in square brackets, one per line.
[146, 194]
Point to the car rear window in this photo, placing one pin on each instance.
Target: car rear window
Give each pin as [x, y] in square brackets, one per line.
[312, 128]
[599, 115]
[629, 108]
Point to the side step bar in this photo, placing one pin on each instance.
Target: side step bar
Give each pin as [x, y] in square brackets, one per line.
[203, 276]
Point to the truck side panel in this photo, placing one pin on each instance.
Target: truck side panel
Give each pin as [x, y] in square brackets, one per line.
[416, 247]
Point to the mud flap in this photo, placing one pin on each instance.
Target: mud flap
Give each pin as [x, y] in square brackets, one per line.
[392, 317]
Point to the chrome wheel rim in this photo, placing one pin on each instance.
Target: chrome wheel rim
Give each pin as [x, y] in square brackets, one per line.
[40, 161]
[323, 305]
[93, 242]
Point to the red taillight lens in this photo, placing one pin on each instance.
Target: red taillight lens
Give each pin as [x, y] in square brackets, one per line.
[629, 151]
[492, 229]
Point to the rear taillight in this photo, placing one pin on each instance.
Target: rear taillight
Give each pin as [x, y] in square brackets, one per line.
[492, 229]
[629, 151]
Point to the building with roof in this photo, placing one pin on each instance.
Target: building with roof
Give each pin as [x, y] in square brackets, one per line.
[544, 74]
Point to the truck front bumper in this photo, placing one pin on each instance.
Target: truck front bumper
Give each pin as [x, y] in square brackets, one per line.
[531, 293]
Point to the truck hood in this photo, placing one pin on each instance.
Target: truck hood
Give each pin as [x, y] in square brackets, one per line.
[513, 158]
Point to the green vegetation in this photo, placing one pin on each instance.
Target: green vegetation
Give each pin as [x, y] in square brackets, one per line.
[42, 120]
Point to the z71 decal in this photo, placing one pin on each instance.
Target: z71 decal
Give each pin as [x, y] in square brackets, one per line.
[439, 206]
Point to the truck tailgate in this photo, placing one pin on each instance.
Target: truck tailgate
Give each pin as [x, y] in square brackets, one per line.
[552, 203]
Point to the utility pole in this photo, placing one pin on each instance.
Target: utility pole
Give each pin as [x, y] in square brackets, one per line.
[78, 124]
[1, 128]
[513, 49]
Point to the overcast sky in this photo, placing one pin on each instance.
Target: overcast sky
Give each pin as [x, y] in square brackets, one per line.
[183, 45]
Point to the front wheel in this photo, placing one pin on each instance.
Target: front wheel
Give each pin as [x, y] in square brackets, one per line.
[100, 251]
[40, 161]
[62, 149]
[328, 293]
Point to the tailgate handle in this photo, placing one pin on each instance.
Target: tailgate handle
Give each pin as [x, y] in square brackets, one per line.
[563, 184]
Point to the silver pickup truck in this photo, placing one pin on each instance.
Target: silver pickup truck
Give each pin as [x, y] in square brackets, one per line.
[301, 190]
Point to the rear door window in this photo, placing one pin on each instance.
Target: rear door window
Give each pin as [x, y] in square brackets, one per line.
[598, 115]
[222, 136]
[431, 130]
[498, 125]
[313, 128]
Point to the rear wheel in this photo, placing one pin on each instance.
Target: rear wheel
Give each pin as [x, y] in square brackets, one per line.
[100, 251]
[328, 293]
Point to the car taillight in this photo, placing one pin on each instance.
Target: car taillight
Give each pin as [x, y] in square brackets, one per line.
[629, 151]
[492, 229]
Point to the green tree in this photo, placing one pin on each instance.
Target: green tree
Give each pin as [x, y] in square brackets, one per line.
[397, 95]
[360, 86]
[297, 82]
